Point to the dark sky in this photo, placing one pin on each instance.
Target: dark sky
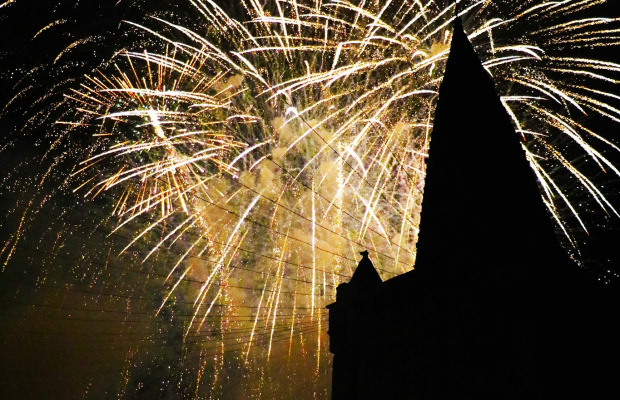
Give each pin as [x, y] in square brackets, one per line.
[55, 323]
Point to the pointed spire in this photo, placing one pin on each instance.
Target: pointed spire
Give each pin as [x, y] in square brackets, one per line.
[365, 276]
[481, 203]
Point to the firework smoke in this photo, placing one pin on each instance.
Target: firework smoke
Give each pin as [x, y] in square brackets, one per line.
[238, 161]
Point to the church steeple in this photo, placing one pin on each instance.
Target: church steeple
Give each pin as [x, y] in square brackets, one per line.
[494, 303]
[481, 202]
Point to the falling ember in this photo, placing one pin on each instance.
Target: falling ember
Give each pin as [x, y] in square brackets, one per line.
[240, 162]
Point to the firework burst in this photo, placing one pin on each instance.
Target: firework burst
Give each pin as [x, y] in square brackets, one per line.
[261, 151]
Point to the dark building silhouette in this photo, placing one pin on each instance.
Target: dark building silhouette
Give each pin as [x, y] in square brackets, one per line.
[494, 308]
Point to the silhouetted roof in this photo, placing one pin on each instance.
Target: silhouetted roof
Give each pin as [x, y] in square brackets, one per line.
[494, 303]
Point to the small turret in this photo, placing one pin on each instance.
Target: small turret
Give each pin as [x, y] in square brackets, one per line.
[351, 305]
[365, 276]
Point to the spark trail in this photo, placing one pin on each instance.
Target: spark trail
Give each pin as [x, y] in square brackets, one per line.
[264, 148]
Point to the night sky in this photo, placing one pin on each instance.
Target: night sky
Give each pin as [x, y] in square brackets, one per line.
[77, 320]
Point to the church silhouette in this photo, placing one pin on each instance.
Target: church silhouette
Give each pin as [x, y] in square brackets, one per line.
[495, 308]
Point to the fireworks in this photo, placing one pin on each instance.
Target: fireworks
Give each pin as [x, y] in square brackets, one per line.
[261, 151]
